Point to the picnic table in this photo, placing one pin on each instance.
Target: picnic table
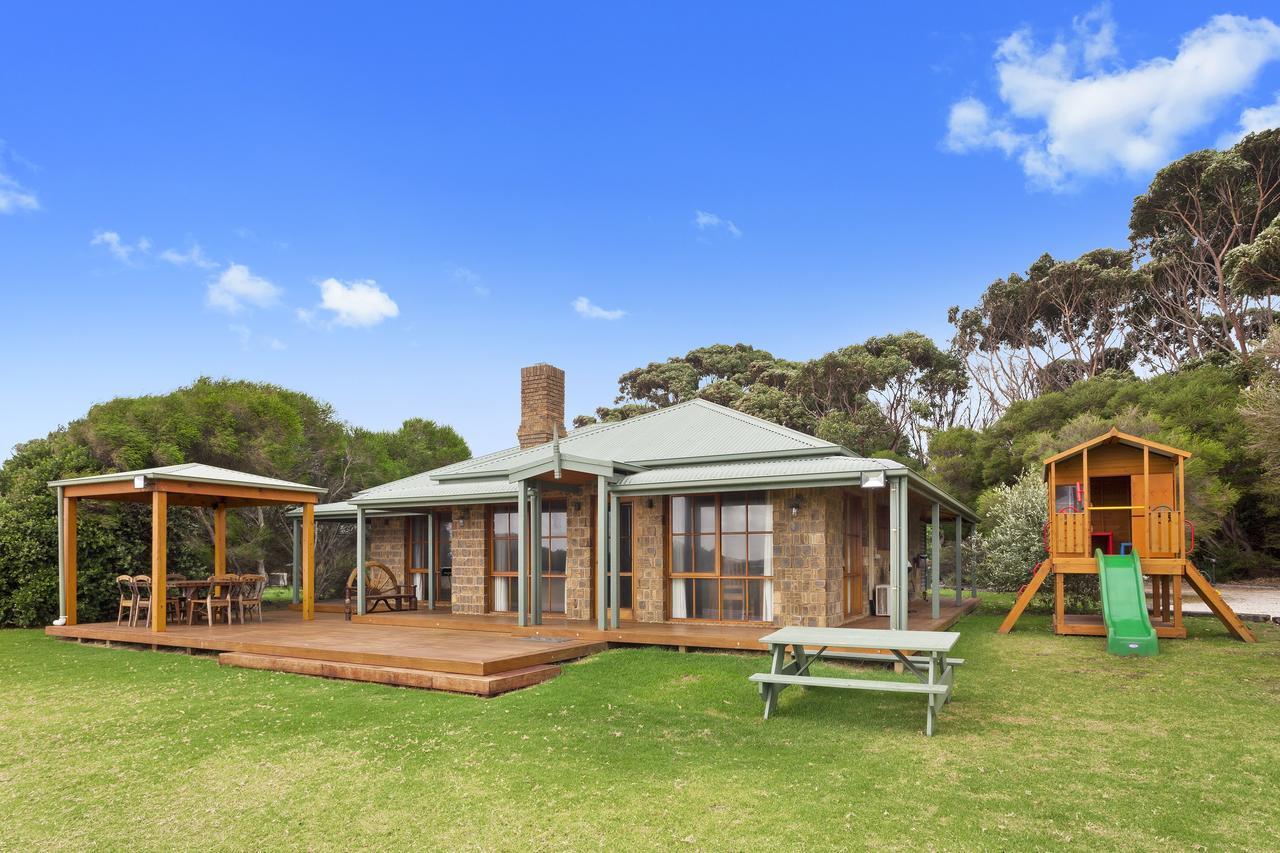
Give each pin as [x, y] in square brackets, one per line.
[923, 654]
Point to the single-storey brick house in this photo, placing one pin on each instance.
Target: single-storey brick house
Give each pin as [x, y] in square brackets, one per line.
[694, 512]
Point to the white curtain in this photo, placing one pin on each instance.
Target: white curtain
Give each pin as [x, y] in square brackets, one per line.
[678, 608]
[500, 601]
[766, 592]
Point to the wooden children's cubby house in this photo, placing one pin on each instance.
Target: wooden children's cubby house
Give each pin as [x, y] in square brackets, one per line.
[1121, 494]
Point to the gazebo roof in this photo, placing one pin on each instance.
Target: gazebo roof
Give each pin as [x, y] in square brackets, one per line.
[190, 483]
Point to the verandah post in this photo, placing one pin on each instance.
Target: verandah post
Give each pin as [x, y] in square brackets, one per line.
[535, 527]
[615, 570]
[360, 560]
[896, 485]
[431, 560]
[959, 560]
[522, 557]
[308, 562]
[602, 547]
[935, 562]
[904, 555]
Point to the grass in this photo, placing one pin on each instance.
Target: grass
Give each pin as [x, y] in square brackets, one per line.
[1049, 742]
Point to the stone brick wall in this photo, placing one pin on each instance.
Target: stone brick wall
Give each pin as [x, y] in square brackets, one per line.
[469, 543]
[580, 563]
[648, 555]
[385, 543]
[807, 557]
[541, 404]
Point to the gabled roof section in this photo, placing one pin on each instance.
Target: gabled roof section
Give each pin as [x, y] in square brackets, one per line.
[195, 472]
[689, 432]
[1115, 436]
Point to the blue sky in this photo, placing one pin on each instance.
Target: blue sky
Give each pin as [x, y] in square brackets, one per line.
[393, 210]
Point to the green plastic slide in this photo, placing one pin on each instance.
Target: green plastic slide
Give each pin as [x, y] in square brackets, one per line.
[1124, 605]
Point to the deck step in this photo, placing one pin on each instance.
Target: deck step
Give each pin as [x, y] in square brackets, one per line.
[479, 685]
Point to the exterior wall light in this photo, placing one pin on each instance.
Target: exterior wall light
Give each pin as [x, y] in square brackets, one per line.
[873, 481]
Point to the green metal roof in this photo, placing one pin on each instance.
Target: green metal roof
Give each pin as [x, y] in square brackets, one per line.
[196, 472]
[688, 432]
[772, 472]
[344, 511]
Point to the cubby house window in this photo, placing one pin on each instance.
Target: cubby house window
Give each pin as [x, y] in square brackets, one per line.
[722, 557]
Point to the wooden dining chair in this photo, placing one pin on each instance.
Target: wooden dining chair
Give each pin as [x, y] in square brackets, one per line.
[128, 598]
[250, 598]
[142, 583]
[175, 604]
[217, 596]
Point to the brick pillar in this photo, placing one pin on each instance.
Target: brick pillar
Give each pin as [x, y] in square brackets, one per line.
[648, 553]
[469, 546]
[541, 404]
[805, 566]
[580, 563]
[386, 545]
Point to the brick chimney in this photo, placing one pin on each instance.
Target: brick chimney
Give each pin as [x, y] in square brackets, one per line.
[541, 404]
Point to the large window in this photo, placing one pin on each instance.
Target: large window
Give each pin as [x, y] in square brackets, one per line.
[504, 550]
[722, 557]
[418, 548]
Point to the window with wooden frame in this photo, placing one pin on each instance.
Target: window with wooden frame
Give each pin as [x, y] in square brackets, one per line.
[722, 557]
[625, 571]
[504, 561]
[504, 553]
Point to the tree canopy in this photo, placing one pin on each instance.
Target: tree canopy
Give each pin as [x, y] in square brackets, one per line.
[248, 426]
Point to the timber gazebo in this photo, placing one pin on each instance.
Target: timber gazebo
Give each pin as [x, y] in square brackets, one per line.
[188, 484]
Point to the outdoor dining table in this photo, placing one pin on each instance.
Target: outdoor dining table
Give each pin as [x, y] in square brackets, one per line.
[194, 588]
[923, 654]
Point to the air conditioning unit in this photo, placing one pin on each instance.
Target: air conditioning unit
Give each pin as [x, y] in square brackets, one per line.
[882, 599]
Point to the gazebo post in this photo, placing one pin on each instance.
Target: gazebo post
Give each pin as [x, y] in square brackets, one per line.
[159, 559]
[62, 562]
[220, 539]
[69, 557]
[308, 562]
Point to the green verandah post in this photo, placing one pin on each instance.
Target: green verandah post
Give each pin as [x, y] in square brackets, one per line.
[535, 527]
[602, 552]
[360, 560]
[896, 541]
[431, 561]
[62, 563]
[935, 562]
[615, 571]
[522, 560]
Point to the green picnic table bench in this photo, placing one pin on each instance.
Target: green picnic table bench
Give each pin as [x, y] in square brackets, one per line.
[923, 654]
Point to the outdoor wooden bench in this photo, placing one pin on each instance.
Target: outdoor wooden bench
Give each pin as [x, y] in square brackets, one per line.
[923, 654]
[380, 588]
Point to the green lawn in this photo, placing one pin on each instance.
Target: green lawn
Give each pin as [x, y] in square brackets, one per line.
[1049, 742]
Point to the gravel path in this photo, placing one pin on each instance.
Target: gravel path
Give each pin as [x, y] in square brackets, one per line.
[1245, 600]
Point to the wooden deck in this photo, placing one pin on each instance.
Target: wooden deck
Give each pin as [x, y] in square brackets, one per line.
[484, 655]
[685, 635]
[468, 661]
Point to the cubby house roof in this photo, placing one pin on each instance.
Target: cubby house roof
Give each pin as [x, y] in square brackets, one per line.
[1115, 436]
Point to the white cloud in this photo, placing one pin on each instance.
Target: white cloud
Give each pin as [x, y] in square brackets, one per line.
[193, 256]
[13, 195]
[247, 338]
[1065, 116]
[704, 221]
[118, 247]
[357, 303]
[471, 277]
[1251, 121]
[591, 311]
[235, 287]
